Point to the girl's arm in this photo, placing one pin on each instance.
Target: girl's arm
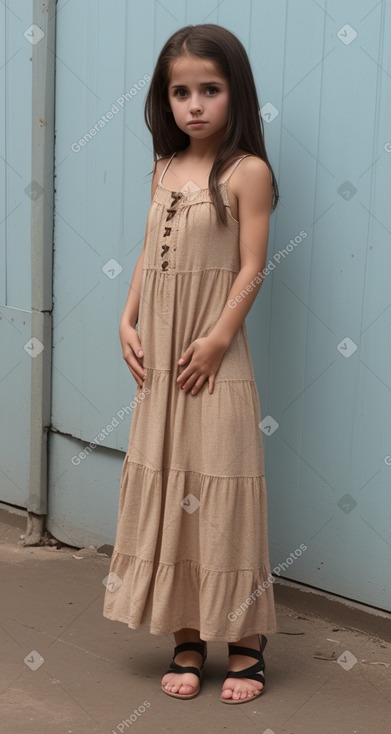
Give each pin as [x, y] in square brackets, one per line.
[254, 192]
[130, 312]
[131, 346]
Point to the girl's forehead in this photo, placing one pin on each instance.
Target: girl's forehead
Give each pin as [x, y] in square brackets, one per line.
[194, 68]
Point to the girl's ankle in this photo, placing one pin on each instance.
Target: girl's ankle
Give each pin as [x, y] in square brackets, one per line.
[187, 635]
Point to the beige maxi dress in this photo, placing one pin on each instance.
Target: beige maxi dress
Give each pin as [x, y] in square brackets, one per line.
[191, 544]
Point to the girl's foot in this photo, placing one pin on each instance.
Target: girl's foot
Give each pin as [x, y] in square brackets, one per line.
[184, 684]
[244, 689]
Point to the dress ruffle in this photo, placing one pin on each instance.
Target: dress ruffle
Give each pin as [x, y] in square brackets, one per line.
[177, 514]
[216, 433]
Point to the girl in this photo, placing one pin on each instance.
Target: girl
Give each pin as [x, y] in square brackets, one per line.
[191, 551]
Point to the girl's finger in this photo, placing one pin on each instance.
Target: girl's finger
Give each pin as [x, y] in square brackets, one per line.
[188, 382]
[136, 369]
[186, 355]
[183, 376]
[136, 377]
[191, 382]
[198, 385]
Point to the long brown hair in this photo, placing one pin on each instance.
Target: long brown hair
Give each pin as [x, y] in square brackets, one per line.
[245, 126]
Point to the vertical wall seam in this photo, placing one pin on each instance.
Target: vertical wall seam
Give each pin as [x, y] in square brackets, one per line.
[42, 172]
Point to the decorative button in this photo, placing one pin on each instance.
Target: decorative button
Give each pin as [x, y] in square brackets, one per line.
[176, 195]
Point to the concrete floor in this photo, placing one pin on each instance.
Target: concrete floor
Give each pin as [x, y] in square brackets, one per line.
[66, 669]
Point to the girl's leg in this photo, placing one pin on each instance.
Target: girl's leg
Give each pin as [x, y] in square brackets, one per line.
[185, 683]
[242, 688]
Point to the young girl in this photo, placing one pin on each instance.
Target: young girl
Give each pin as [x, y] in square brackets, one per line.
[191, 552]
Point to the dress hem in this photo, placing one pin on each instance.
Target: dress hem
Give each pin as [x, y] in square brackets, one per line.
[192, 624]
[160, 595]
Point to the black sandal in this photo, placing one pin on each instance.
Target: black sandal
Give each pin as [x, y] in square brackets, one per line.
[254, 672]
[176, 668]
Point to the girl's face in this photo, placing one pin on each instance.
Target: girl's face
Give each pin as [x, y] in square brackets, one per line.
[197, 91]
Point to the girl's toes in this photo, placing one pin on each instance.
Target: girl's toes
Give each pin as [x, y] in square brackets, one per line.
[186, 690]
[225, 693]
[236, 692]
[244, 694]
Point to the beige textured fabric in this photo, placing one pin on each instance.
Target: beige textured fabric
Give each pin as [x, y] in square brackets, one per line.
[191, 544]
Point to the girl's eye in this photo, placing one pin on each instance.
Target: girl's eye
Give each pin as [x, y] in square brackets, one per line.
[177, 92]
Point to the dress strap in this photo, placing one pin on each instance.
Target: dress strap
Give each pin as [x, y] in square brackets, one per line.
[161, 177]
[236, 164]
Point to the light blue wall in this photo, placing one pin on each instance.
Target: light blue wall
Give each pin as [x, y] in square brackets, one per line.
[331, 90]
[15, 260]
[333, 411]
[15, 156]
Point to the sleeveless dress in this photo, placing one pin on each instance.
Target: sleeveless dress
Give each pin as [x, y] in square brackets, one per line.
[191, 546]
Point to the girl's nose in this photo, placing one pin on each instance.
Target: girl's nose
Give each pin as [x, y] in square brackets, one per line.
[195, 104]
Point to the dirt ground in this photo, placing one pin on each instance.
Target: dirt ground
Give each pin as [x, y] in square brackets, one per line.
[66, 669]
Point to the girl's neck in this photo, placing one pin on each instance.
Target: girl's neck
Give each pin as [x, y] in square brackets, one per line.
[202, 151]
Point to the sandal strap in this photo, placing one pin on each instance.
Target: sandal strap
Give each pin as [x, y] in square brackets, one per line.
[248, 651]
[195, 646]
[253, 672]
[184, 669]
[257, 667]
[246, 674]
[199, 647]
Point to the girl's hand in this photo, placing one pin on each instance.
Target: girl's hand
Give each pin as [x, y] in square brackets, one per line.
[205, 356]
[132, 352]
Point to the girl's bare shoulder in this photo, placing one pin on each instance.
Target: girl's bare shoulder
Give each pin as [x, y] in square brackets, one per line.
[250, 160]
[251, 180]
[252, 166]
